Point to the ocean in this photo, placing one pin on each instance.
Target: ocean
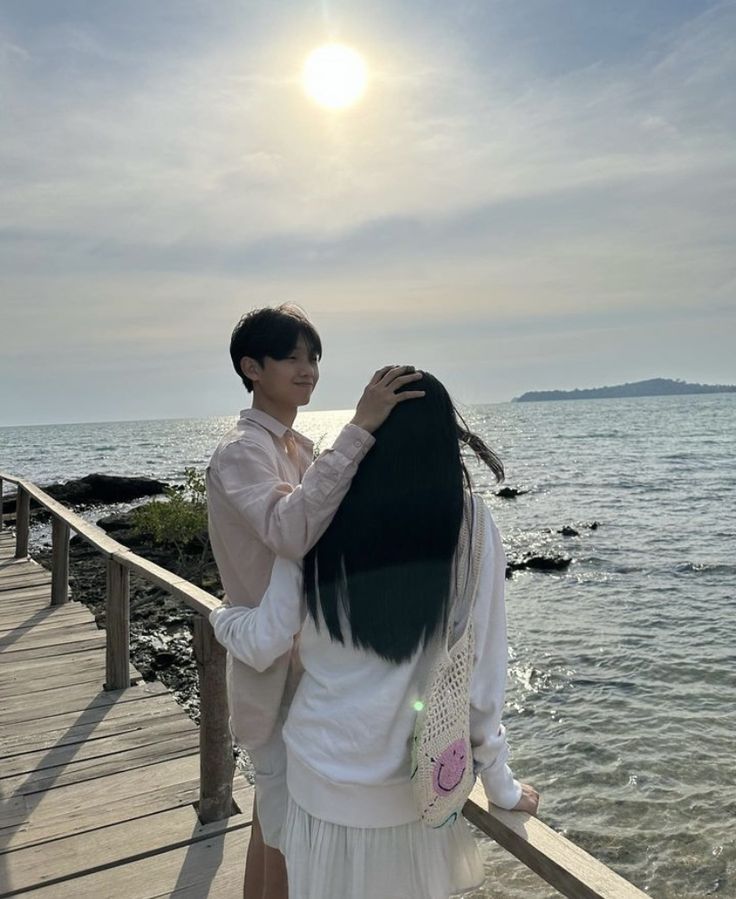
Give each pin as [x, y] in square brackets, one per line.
[622, 679]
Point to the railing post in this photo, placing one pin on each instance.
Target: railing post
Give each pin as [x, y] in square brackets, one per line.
[117, 626]
[216, 763]
[2, 505]
[59, 561]
[22, 522]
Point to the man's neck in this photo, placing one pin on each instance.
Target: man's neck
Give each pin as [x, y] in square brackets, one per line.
[283, 414]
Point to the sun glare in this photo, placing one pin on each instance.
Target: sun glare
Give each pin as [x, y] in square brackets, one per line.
[334, 76]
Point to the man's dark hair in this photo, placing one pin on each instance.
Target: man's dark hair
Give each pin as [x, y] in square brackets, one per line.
[272, 332]
[383, 568]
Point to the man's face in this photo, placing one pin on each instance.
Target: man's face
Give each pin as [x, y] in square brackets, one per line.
[288, 382]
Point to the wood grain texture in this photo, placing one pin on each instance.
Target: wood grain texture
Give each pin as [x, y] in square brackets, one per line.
[22, 522]
[60, 561]
[216, 751]
[117, 626]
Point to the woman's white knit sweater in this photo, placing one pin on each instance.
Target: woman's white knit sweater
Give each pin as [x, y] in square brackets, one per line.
[349, 728]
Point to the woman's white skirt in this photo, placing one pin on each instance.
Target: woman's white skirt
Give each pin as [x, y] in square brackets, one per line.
[410, 861]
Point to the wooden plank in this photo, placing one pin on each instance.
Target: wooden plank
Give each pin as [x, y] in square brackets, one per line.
[40, 652]
[130, 714]
[47, 617]
[13, 814]
[12, 669]
[35, 826]
[102, 742]
[56, 683]
[565, 866]
[50, 638]
[122, 716]
[26, 601]
[123, 790]
[44, 627]
[128, 737]
[41, 623]
[21, 584]
[193, 870]
[16, 567]
[23, 572]
[78, 710]
[11, 563]
[36, 829]
[92, 769]
[73, 855]
[56, 695]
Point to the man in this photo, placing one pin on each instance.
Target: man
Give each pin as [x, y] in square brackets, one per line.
[268, 497]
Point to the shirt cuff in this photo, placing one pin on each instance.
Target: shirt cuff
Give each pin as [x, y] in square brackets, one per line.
[353, 442]
[502, 789]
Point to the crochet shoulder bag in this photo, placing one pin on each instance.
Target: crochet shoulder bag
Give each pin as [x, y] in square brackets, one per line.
[442, 759]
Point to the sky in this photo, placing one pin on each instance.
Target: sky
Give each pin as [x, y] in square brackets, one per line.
[532, 194]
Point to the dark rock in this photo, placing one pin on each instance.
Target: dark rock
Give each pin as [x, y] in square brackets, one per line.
[567, 531]
[538, 563]
[548, 563]
[594, 526]
[510, 492]
[94, 489]
[103, 489]
[165, 659]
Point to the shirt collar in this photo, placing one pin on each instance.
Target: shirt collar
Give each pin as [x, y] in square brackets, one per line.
[273, 425]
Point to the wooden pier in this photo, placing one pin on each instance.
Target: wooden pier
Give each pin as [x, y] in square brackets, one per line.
[107, 788]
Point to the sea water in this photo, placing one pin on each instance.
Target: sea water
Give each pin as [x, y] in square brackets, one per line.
[622, 678]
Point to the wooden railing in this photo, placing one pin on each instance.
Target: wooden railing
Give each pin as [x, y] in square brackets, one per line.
[216, 761]
[565, 866]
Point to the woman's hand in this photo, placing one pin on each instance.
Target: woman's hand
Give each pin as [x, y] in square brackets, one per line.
[529, 801]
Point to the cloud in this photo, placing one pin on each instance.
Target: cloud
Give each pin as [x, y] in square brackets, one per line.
[510, 164]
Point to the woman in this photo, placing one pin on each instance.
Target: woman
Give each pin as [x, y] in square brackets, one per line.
[377, 587]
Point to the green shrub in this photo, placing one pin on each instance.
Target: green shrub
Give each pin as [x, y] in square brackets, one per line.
[180, 521]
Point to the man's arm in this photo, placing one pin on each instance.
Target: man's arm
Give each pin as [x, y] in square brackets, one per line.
[288, 519]
[488, 682]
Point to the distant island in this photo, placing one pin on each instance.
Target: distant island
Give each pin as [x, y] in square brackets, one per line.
[652, 387]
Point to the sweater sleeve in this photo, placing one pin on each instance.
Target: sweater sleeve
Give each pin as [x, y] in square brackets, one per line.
[289, 520]
[258, 636]
[488, 683]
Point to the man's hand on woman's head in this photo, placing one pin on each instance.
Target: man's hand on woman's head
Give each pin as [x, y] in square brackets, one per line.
[380, 396]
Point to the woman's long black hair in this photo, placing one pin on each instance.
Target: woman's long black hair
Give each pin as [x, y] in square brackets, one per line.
[383, 568]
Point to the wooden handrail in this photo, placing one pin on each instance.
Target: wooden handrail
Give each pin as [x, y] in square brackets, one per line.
[566, 867]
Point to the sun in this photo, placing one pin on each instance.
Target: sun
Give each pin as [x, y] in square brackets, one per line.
[334, 76]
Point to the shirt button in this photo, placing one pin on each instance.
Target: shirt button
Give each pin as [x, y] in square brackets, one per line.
[358, 443]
